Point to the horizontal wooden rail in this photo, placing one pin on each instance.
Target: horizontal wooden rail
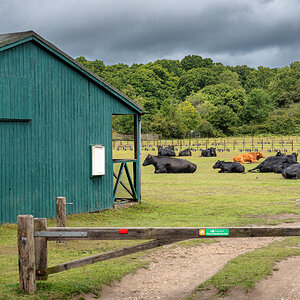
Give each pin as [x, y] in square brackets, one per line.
[149, 233]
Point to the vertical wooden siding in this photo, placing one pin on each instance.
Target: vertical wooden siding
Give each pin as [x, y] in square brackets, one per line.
[49, 156]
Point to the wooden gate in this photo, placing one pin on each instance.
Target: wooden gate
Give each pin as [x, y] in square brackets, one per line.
[33, 235]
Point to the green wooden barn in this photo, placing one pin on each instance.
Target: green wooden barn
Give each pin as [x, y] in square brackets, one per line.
[56, 132]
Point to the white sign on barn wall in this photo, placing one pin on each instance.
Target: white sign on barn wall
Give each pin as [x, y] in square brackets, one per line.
[98, 160]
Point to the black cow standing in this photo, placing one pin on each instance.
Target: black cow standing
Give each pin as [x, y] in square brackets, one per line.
[186, 152]
[292, 172]
[167, 151]
[211, 152]
[229, 167]
[169, 164]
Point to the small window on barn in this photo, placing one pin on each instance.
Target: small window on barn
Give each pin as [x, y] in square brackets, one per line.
[98, 160]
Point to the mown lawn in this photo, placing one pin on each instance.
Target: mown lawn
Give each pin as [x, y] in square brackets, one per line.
[202, 199]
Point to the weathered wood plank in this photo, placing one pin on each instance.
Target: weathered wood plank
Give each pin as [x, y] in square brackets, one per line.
[109, 255]
[61, 213]
[135, 233]
[41, 251]
[27, 278]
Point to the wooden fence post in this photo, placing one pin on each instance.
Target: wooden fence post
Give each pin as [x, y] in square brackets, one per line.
[27, 279]
[61, 216]
[41, 251]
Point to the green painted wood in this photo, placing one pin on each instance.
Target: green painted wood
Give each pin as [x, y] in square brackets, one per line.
[130, 181]
[137, 163]
[49, 155]
[118, 180]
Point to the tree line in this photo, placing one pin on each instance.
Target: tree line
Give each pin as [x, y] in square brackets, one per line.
[197, 95]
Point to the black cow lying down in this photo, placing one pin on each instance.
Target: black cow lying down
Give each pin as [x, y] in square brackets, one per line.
[229, 167]
[186, 152]
[286, 162]
[292, 172]
[276, 163]
[167, 151]
[169, 164]
[211, 152]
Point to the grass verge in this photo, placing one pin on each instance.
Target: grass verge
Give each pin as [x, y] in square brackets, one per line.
[248, 269]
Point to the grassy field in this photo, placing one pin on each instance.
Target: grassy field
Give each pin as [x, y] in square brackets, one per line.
[204, 198]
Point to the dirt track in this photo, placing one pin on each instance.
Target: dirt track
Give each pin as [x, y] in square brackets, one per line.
[175, 272]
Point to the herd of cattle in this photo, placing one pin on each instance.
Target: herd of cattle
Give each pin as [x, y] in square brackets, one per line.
[165, 162]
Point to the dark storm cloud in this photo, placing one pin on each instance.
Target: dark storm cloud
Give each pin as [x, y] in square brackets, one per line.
[232, 32]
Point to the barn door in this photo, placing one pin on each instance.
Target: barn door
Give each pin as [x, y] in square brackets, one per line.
[15, 181]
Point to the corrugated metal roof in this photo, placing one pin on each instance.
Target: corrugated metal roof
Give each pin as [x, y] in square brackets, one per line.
[12, 38]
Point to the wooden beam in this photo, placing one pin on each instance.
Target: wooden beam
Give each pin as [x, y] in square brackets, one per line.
[41, 251]
[61, 214]
[142, 233]
[105, 256]
[27, 279]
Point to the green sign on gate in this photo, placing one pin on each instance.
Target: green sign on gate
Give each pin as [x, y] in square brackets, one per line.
[214, 232]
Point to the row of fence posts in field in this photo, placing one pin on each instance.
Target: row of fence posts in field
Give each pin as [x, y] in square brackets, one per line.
[33, 235]
[221, 144]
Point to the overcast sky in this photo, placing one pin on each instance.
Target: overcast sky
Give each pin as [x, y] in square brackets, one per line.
[233, 32]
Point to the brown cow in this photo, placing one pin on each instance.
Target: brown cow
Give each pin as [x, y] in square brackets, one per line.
[250, 157]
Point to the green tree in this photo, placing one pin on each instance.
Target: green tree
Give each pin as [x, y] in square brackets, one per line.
[257, 107]
[167, 121]
[123, 124]
[195, 80]
[206, 129]
[206, 109]
[172, 66]
[284, 121]
[96, 66]
[284, 85]
[243, 72]
[82, 60]
[224, 94]
[189, 117]
[223, 118]
[230, 78]
[198, 98]
[196, 61]
[259, 78]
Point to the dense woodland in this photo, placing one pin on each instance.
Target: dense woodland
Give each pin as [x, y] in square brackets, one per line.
[196, 95]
